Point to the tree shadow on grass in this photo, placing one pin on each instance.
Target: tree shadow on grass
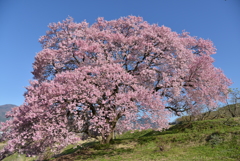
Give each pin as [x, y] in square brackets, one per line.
[104, 153]
[93, 150]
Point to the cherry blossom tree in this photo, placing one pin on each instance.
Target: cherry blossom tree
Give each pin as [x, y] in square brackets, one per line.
[92, 78]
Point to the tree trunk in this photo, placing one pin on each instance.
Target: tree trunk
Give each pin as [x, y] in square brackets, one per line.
[107, 139]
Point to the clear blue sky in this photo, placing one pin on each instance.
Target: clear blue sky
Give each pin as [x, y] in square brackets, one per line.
[22, 22]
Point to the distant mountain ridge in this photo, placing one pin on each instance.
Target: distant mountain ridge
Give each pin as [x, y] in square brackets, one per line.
[4, 109]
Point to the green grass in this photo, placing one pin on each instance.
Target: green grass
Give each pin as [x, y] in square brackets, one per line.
[18, 157]
[209, 140]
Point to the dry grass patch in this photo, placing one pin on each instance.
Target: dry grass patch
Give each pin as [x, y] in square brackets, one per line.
[129, 145]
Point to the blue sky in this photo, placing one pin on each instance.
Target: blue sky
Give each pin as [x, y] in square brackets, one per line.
[22, 22]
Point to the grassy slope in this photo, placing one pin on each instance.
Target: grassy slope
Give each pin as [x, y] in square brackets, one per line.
[223, 112]
[202, 140]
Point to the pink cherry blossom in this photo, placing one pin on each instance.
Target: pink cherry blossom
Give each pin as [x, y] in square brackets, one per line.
[107, 76]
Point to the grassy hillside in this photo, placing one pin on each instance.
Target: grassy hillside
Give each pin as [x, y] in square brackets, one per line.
[208, 140]
[200, 140]
[229, 111]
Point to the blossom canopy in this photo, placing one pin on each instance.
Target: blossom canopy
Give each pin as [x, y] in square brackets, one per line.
[98, 78]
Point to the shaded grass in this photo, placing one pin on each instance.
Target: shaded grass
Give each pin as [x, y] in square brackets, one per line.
[208, 140]
[201, 140]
